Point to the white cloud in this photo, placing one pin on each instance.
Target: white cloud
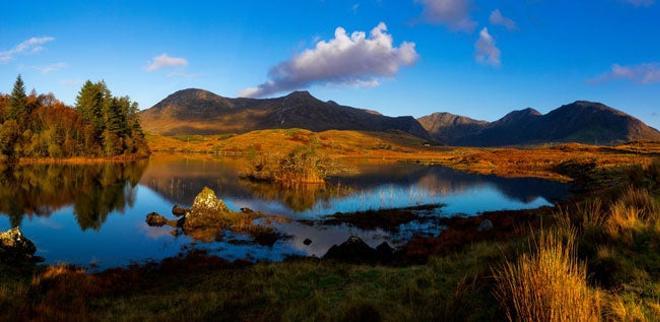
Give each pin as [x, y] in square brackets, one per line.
[164, 61]
[32, 45]
[640, 3]
[498, 19]
[486, 50]
[455, 14]
[355, 8]
[647, 73]
[50, 68]
[354, 60]
[183, 74]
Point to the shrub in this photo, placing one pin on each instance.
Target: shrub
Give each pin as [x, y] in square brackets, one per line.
[547, 285]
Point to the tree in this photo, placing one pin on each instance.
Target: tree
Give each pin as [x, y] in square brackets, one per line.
[90, 103]
[18, 101]
[9, 134]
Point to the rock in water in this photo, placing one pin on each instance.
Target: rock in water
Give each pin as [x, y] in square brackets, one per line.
[179, 211]
[207, 211]
[155, 219]
[13, 245]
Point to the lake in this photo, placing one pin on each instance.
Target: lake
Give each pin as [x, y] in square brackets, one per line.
[94, 215]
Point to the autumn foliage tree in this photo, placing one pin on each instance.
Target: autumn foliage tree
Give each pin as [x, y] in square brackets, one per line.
[41, 126]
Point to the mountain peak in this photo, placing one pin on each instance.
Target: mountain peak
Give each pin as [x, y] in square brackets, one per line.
[300, 94]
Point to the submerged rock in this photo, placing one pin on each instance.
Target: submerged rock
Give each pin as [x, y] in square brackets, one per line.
[13, 245]
[155, 219]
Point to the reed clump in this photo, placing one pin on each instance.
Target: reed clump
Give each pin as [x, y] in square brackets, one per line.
[548, 284]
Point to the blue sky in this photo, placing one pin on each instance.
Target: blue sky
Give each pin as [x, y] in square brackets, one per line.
[458, 56]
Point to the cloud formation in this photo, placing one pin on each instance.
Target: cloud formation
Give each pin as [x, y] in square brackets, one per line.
[50, 68]
[640, 3]
[355, 60]
[164, 61]
[498, 19]
[32, 45]
[487, 52]
[454, 14]
[647, 73]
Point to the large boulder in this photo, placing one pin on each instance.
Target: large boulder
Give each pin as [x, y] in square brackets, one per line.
[207, 211]
[13, 245]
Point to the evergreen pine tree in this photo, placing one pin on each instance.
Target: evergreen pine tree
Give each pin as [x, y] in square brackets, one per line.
[90, 103]
[18, 101]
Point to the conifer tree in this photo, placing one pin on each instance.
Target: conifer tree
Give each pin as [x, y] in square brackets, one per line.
[90, 102]
[18, 101]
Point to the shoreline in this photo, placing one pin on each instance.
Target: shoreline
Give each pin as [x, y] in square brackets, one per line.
[82, 160]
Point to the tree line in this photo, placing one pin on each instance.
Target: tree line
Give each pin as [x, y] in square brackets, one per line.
[39, 125]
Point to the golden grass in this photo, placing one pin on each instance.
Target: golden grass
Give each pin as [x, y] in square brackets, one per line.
[618, 309]
[549, 284]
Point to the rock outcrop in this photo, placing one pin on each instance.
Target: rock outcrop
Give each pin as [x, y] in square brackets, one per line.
[14, 246]
[207, 211]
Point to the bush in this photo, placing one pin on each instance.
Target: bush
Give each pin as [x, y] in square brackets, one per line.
[303, 165]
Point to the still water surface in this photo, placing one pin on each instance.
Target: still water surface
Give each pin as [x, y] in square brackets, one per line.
[94, 215]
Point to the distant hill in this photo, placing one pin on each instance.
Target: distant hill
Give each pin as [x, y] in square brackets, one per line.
[196, 111]
[447, 127]
[581, 121]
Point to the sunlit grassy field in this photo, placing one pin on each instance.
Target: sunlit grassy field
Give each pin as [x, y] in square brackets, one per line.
[544, 161]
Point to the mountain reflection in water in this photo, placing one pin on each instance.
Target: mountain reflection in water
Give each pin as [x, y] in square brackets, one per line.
[95, 213]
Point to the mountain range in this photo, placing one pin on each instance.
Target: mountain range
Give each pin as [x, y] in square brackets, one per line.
[196, 111]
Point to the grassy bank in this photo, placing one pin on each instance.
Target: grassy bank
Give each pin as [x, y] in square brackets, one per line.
[83, 160]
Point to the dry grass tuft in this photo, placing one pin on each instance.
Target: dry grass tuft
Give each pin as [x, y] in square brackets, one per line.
[634, 212]
[586, 216]
[548, 285]
[617, 309]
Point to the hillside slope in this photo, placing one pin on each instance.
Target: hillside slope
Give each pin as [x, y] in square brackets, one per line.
[195, 111]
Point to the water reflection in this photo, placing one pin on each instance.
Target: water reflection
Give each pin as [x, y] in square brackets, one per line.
[93, 190]
[371, 186]
[96, 213]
